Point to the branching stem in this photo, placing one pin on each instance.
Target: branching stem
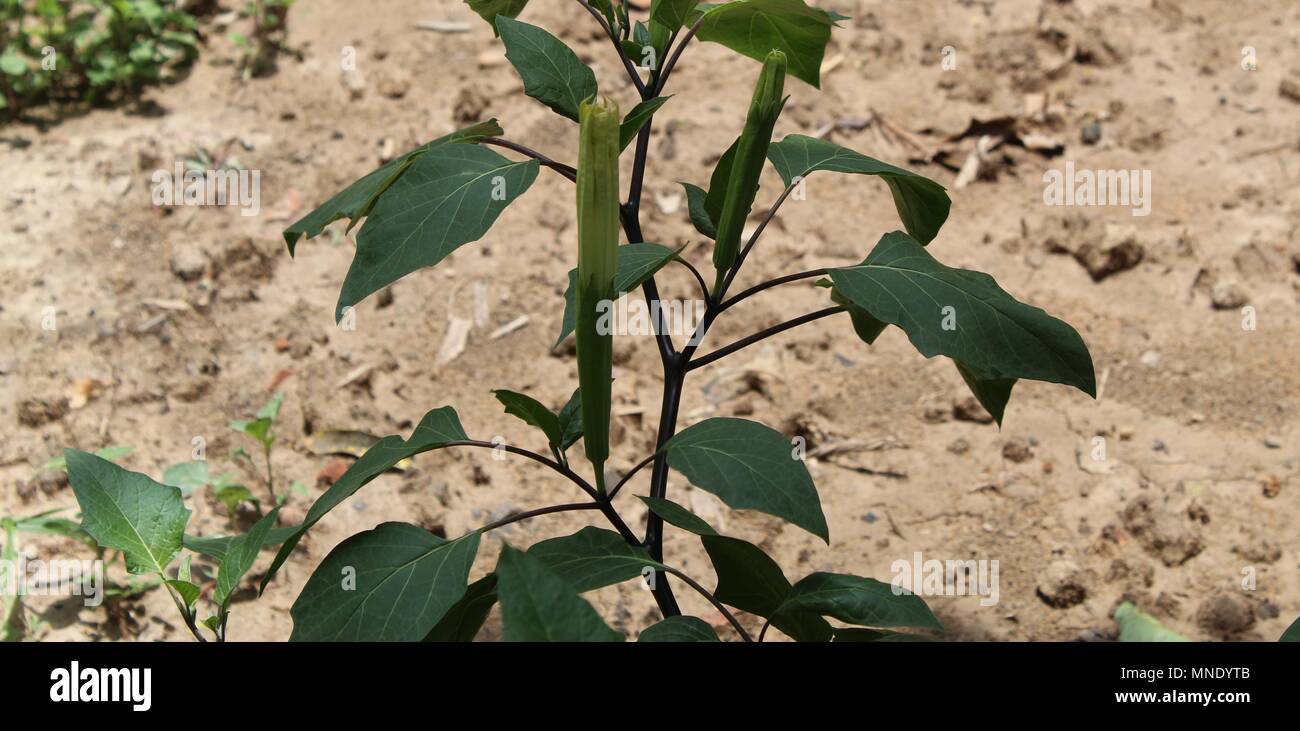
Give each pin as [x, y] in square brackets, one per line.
[769, 332]
[567, 171]
[565, 508]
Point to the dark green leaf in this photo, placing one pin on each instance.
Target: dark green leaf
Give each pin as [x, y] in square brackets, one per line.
[537, 605]
[748, 578]
[356, 201]
[492, 10]
[606, 8]
[466, 617]
[390, 584]
[594, 558]
[992, 393]
[867, 327]
[552, 73]
[636, 263]
[675, 514]
[754, 27]
[695, 206]
[857, 600]
[672, 13]
[636, 119]
[679, 629]
[994, 337]
[437, 428]
[922, 203]
[532, 412]
[240, 555]
[218, 546]
[571, 420]
[717, 194]
[449, 196]
[749, 466]
[128, 512]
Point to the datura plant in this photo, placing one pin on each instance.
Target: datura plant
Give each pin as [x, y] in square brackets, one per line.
[399, 581]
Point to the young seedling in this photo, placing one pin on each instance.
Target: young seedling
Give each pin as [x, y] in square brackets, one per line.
[262, 429]
[398, 581]
[13, 621]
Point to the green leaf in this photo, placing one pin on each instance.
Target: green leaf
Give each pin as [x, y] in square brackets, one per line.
[636, 119]
[533, 413]
[672, 13]
[447, 197]
[594, 558]
[187, 476]
[717, 194]
[867, 327]
[1136, 625]
[679, 629]
[240, 555]
[218, 546]
[749, 466]
[695, 206]
[232, 495]
[188, 592]
[993, 393]
[606, 8]
[922, 203]
[260, 428]
[571, 420]
[748, 578]
[128, 512]
[552, 73]
[857, 600]
[13, 64]
[390, 584]
[466, 617]
[537, 605]
[636, 263]
[1292, 633]
[436, 429]
[493, 10]
[995, 336]
[112, 454]
[675, 514]
[754, 27]
[45, 523]
[356, 201]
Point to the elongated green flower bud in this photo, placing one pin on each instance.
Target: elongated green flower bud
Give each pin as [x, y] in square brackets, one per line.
[598, 148]
[747, 165]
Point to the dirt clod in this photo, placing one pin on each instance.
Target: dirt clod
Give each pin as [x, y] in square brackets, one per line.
[1225, 614]
[1164, 534]
[1061, 585]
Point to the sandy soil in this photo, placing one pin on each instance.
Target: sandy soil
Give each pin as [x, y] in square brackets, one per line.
[1199, 490]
